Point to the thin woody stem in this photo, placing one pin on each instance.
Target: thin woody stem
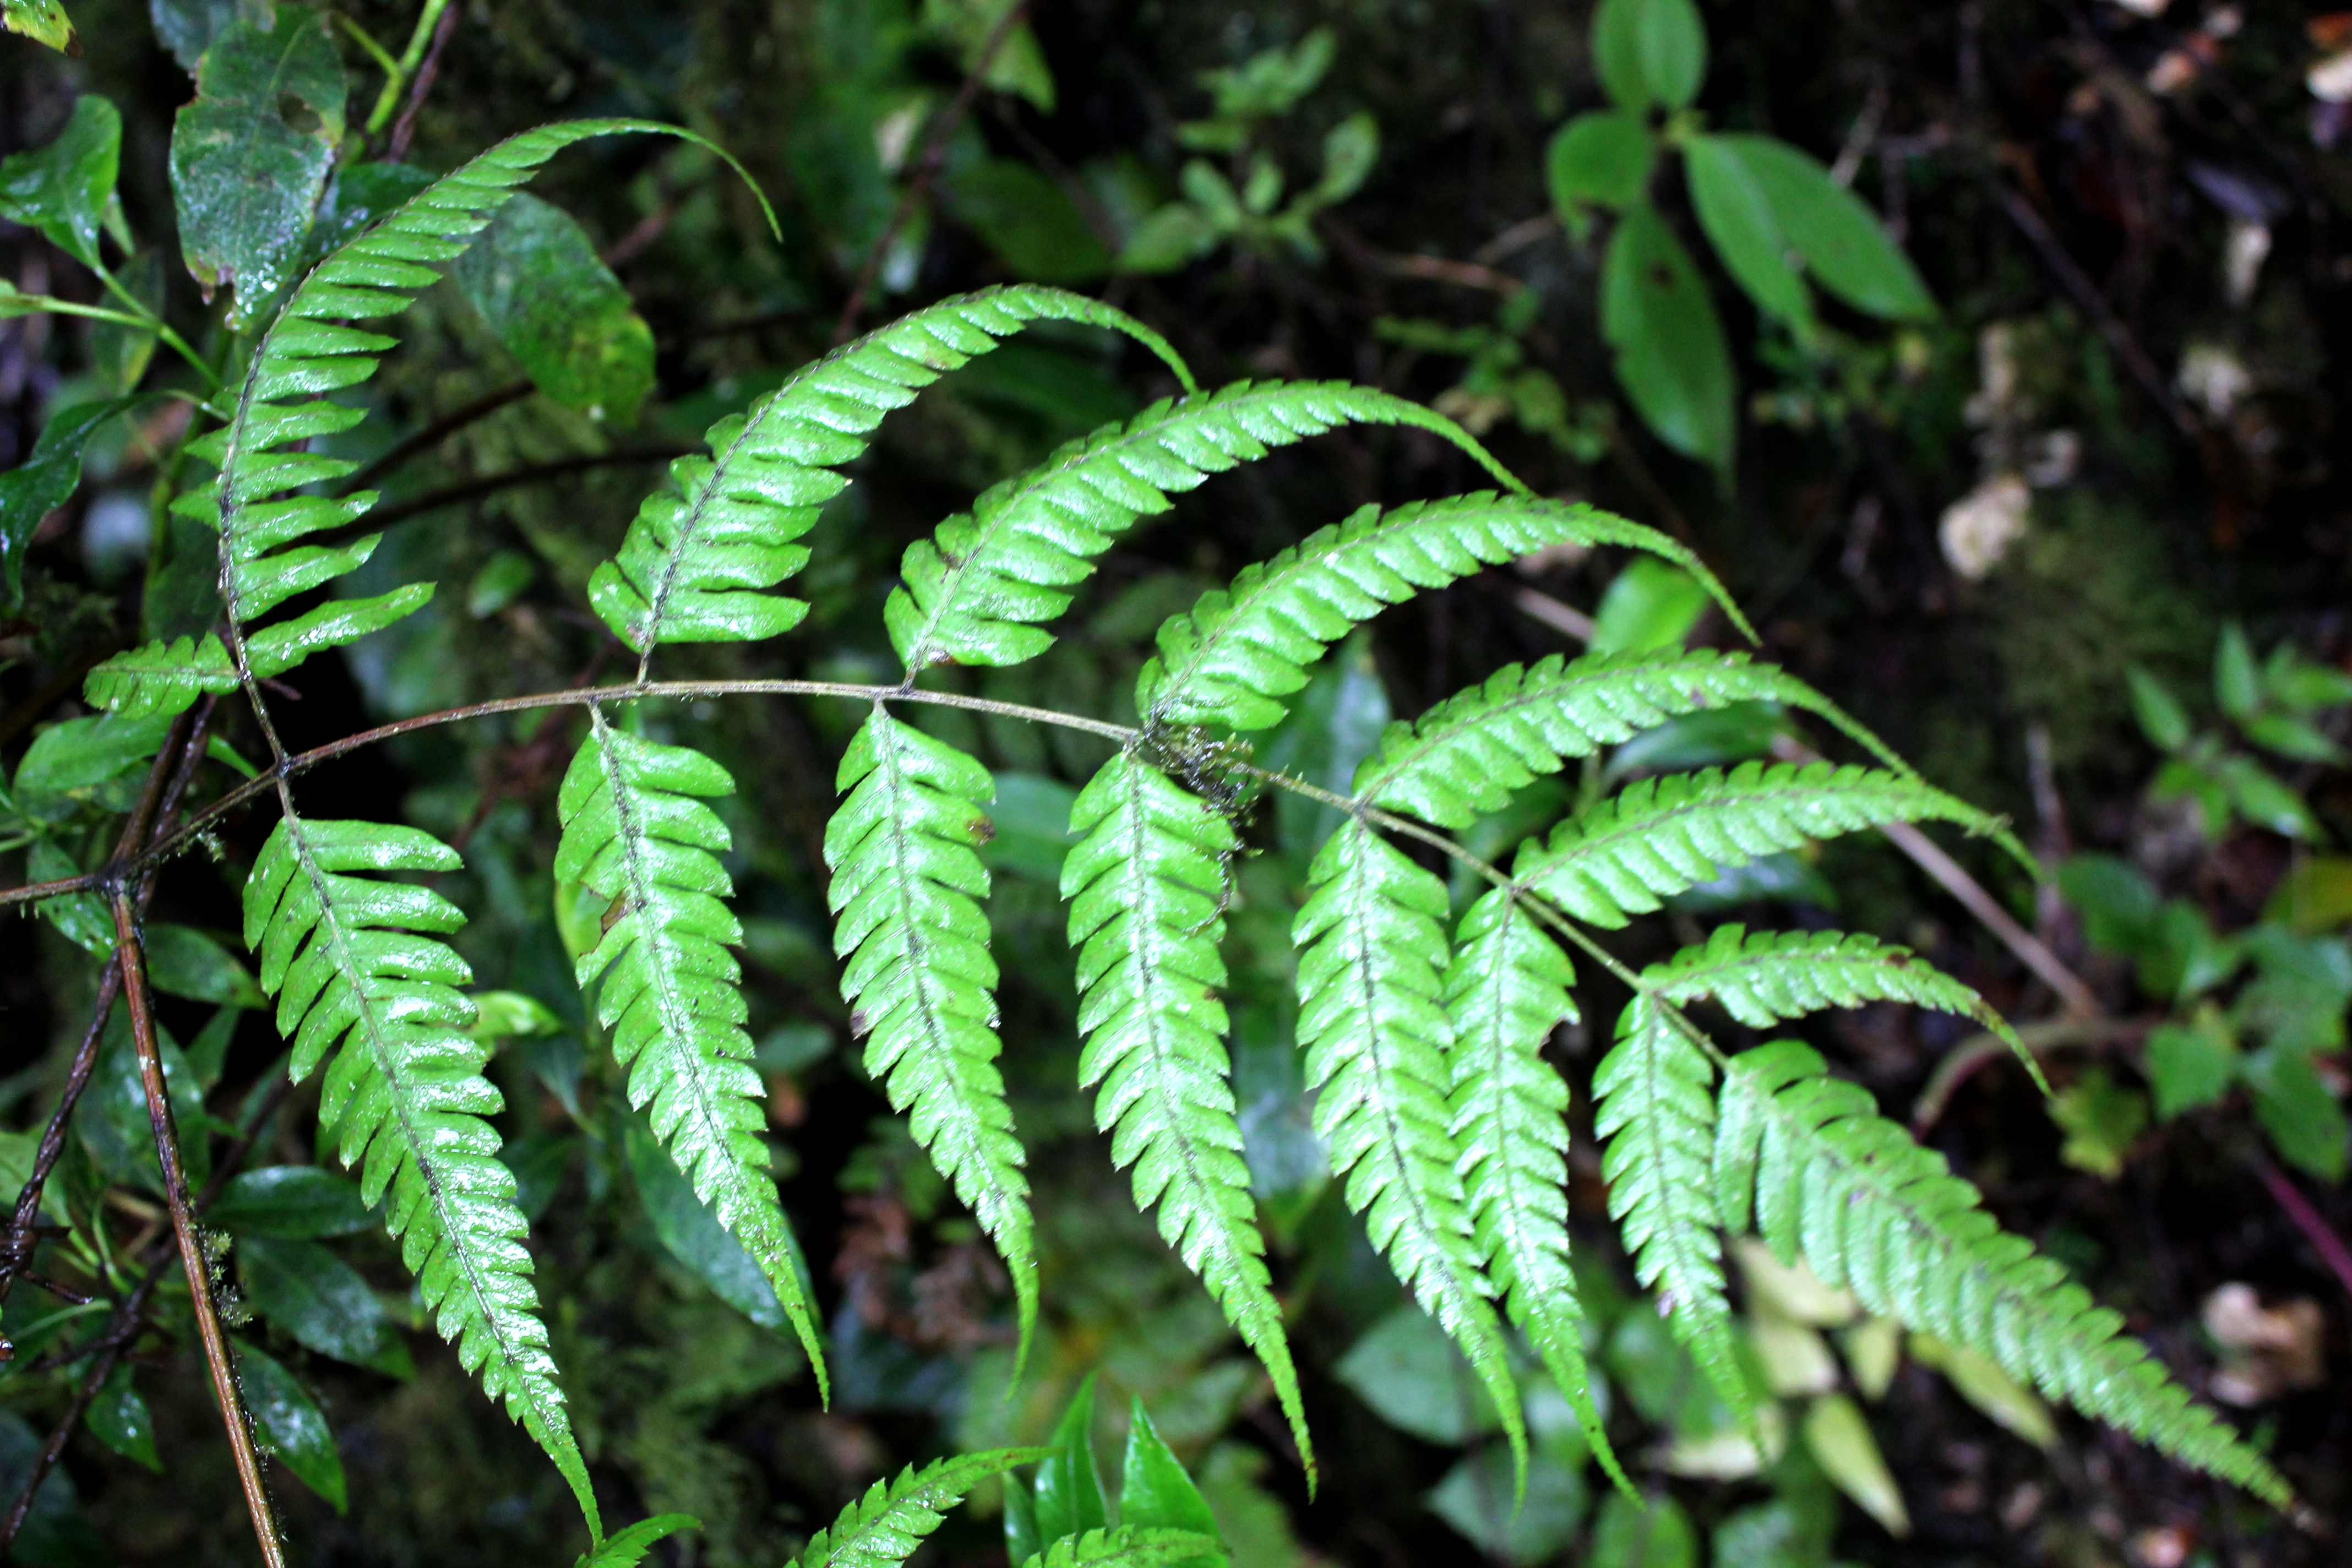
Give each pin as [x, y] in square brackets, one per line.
[184, 1229]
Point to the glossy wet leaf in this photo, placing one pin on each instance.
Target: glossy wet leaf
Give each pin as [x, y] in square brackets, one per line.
[1670, 355]
[1069, 1492]
[250, 155]
[288, 1420]
[535, 277]
[43, 482]
[120, 1418]
[184, 961]
[187, 27]
[44, 21]
[294, 1202]
[692, 1234]
[1156, 1492]
[320, 1301]
[628, 1548]
[66, 189]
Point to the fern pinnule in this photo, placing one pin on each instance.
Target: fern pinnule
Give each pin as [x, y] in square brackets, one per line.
[364, 984]
[1662, 837]
[882, 1529]
[974, 593]
[906, 887]
[1654, 1110]
[1127, 1547]
[1372, 1022]
[1234, 655]
[697, 566]
[1146, 886]
[637, 832]
[1467, 755]
[1764, 978]
[1826, 1178]
[1505, 991]
[308, 352]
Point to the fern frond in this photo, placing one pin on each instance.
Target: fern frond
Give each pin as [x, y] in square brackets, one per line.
[973, 591]
[306, 352]
[1662, 837]
[1764, 978]
[1654, 1106]
[1505, 991]
[1465, 757]
[1146, 885]
[1234, 656]
[1372, 1021]
[882, 1529]
[635, 829]
[1867, 1207]
[697, 566]
[907, 886]
[359, 972]
[1127, 1547]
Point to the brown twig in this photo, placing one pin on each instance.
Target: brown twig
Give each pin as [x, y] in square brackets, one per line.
[121, 1329]
[926, 168]
[2086, 294]
[404, 130]
[193, 1261]
[2310, 1221]
[433, 435]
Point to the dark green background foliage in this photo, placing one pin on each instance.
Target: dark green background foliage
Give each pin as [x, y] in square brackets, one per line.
[2146, 674]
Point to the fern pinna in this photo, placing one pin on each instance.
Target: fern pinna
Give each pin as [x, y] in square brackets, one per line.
[1422, 1029]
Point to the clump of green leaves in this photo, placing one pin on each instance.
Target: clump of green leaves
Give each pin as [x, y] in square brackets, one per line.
[1776, 220]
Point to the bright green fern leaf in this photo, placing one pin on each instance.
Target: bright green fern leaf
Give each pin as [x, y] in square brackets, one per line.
[310, 351]
[882, 1529]
[1662, 837]
[1234, 657]
[1372, 1022]
[1765, 977]
[635, 829]
[1505, 991]
[628, 1548]
[1126, 1547]
[907, 886]
[361, 978]
[974, 592]
[1655, 1109]
[1866, 1207]
[697, 566]
[1465, 757]
[1146, 886]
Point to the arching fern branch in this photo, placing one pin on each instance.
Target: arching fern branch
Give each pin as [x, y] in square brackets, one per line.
[1848, 1191]
[697, 566]
[974, 593]
[907, 886]
[882, 1529]
[1662, 837]
[1128, 1547]
[1466, 756]
[637, 830]
[1146, 886]
[364, 984]
[1505, 991]
[1236, 654]
[1373, 1023]
[306, 353]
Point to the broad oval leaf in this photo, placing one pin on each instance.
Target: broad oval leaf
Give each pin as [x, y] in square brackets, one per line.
[1670, 355]
[1604, 158]
[535, 277]
[1649, 52]
[1740, 222]
[67, 189]
[1844, 245]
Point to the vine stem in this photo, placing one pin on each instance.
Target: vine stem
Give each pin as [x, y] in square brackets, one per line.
[184, 1228]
